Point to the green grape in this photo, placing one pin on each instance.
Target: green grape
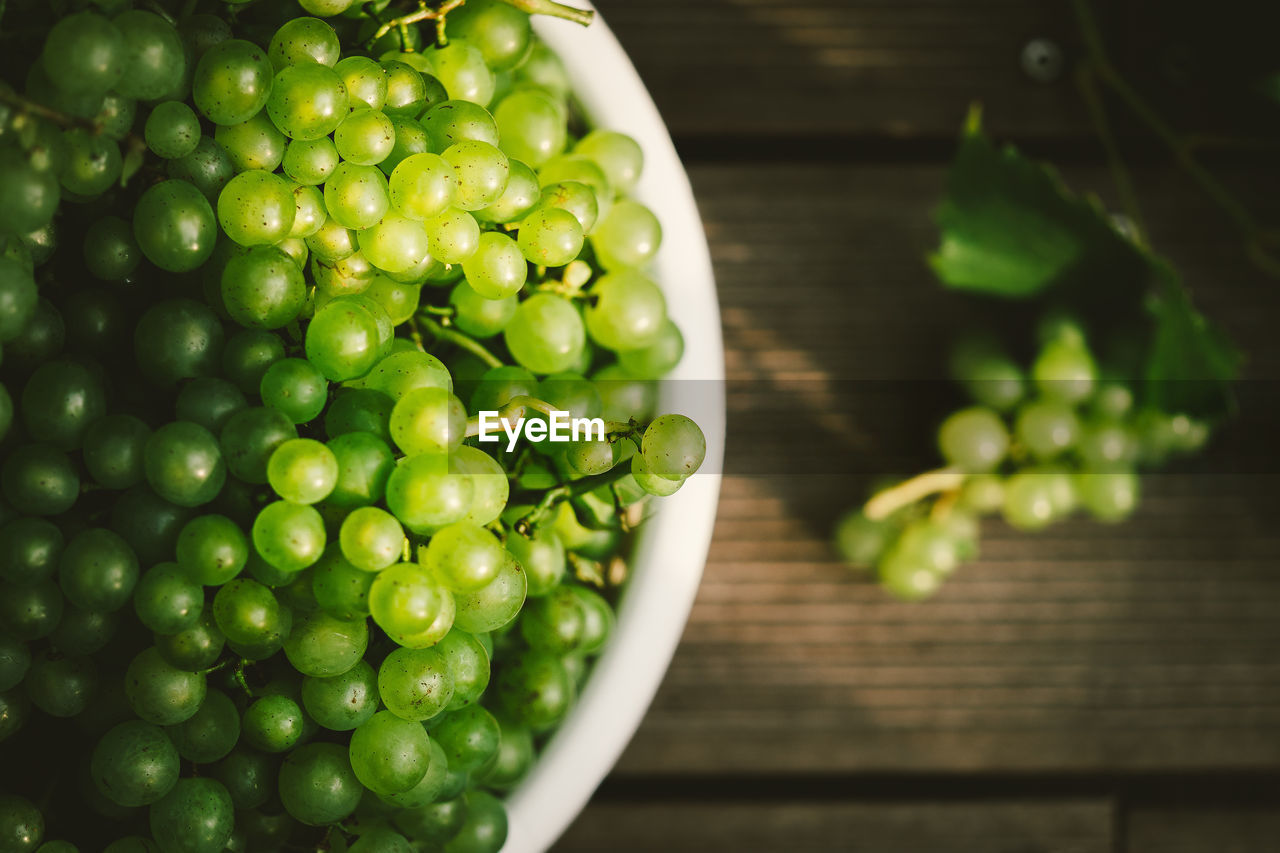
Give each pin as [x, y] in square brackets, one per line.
[148, 523]
[598, 619]
[14, 711]
[184, 464]
[343, 702]
[973, 440]
[467, 662]
[422, 186]
[903, 575]
[310, 161]
[988, 375]
[398, 299]
[1062, 489]
[167, 599]
[252, 144]
[860, 540]
[157, 62]
[1110, 496]
[491, 488]
[1029, 501]
[550, 237]
[59, 402]
[325, 8]
[365, 137]
[388, 754]
[426, 492]
[531, 125]
[494, 605]
[249, 439]
[543, 559]
[554, 623]
[1112, 401]
[296, 388]
[18, 298]
[317, 785]
[115, 118]
[469, 738]
[405, 600]
[466, 556]
[40, 479]
[673, 447]
[178, 339]
[195, 648]
[575, 167]
[28, 198]
[356, 196]
[629, 311]
[658, 358]
[303, 40]
[332, 242]
[415, 684]
[499, 385]
[110, 253]
[248, 775]
[209, 402]
[31, 612]
[342, 340]
[248, 354]
[302, 470]
[340, 589]
[500, 32]
[174, 226]
[196, 816]
[406, 90]
[618, 156]
[172, 130]
[928, 544]
[289, 536]
[134, 764]
[521, 196]
[514, 757]
[208, 168]
[256, 208]
[263, 288]
[535, 691]
[232, 81]
[410, 138]
[365, 80]
[273, 724]
[453, 236]
[1107, 446]
[60, 686]
[84, 53]
[652, 483]
[1046, 428]
[365, 463]
[396, 244]
[478, 316]
[482, 172]
[450, 122]
[575, 197]
[97, 570]
[371, 539]
[359, 410]
[212, 733]
[628, 236]
[982, 493]
[497, 269]
[381, 839]
[1064, 371]
[309, 211]
[547, 334]
[161, 694]
[323, 646]
[248, 613]
[15, 659]
[428, 420]
[461, 68]
[435, 822]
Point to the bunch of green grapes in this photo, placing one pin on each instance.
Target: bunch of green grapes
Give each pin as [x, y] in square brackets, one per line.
[261, 585]
[1035, 446]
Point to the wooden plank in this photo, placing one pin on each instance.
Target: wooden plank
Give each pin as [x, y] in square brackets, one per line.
[1195, 829]
[865, 67]
[1068, 826]
[1146, 646]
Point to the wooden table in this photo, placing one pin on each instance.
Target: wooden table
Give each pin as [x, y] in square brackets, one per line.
[1088, 689]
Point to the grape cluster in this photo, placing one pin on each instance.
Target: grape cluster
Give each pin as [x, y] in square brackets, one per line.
[1034, 446]
[261, 587]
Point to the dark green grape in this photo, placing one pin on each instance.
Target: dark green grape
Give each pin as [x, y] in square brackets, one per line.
[322, 646]
[110, 251]
[211, 733]
[156, 59]
[172, 130]
[434, 823]
[485, 827]
[28, 197]
[15, 659]
[317, 784]
[249, 776]
[160, 693]
[84, 52]
[184, 464]
[98, 570]
[196, 816]
[168, 599]
[40, 479]
[174, 225]
[194, 648]
[208, 168]
[247, 613]
[29, 550]
[232, 81]
[415, 684]
[389, 755]
[149, 523]
[273, 724]
[209, 402]
[263, 288]
[113, 451]
[93, 163]
[512, 761]
[250, 437]
[252, 144]
[248, 354]
[535, 690]
[178, 339]
[469, 738]
[60, 686]
[21, 824]
[296, 388]
[59, 402]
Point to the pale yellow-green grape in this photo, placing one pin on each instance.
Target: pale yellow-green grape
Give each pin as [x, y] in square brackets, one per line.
[356, 196]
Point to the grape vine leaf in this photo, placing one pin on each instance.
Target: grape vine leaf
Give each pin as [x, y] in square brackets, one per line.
[1010, 228]
[1191, 363]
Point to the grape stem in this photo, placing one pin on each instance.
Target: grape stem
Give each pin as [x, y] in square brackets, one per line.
[466, 342]
[58, 117]
[424, 13]
[554, 10]
[894, 498]
[554, 497]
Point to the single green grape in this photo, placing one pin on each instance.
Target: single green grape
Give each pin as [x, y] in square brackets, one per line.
[531, 125]
[211, 733]
[478, 316]
[295, 387]
[534, 690]
[232, 81]
[167, 599]
[371, 539]
[1029, 501]
[450, 122]
[975, 440]
[550, 237]
[389, 755]
[196, 816]
[1046, 428]
[304, 40]
[575, 197]
[423, 186]
[618, 156]
[135, 764]
[273, 724]
[415, 684]
[406, 90]
[161, 694]
[453, 236]
[252, 144]
[673, 447]
[317, 784]
[989, 376]
[365, 137]
[289, 536]
[1064, 371]
[174, 226]
[547, 333]
[343, 702]
[84, 53]
[365, 80]
[110, 252]
[395, 244]
[209, 402]
[172, 130]
[629, 311]
[343, 340]
[1110, 496]
[208, 168]
[466, 556]
[310, 161]
[59, 402]
[356, 196]
[256, 208]
[461, 68]
[60, 685]
[263, 288]
[184, 464]
[157, 62]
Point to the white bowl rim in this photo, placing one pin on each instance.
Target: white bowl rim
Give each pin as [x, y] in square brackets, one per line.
[671, 547]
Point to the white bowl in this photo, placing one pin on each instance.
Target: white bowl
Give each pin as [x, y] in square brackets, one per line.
[671, 547]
